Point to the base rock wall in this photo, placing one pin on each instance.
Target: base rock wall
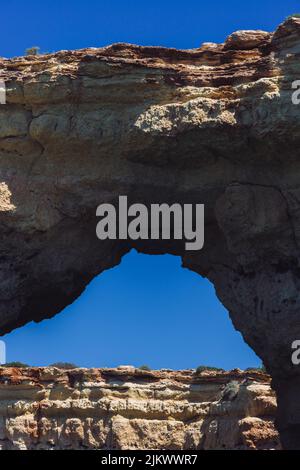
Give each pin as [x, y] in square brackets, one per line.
[127, 408]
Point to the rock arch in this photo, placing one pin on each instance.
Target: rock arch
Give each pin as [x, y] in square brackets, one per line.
[214, 125]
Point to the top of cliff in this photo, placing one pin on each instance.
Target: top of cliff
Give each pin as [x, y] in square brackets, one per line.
[244, 56]
[40, 375]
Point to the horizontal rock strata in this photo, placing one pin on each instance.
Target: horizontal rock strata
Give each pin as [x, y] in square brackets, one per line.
[127, 408]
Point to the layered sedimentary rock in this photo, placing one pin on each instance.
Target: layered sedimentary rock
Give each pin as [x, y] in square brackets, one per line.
[214, 125]
[126, 408]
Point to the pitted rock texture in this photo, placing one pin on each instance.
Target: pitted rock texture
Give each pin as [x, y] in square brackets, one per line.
[126, 408]
[214, 125]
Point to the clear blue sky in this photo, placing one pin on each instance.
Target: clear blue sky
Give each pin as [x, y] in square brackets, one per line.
[148, 310]
[62, 24]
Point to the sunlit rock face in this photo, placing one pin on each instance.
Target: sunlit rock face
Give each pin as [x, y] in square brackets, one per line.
[214, 125]
[128, 408]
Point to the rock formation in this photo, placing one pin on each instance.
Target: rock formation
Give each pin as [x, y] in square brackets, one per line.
[46, 408]
[214, 125]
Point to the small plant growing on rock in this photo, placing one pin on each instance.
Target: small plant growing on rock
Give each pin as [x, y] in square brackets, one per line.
[146, 368]
[15, 364]
[207, 368]
[34, 50]
[261, 369]
[230, 391]
[64, 365]
[294, 15]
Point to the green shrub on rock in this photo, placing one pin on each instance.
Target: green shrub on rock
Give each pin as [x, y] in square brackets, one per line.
[15, 364]
[146, 368]
[34, 50]
[207, 368]
[64, 365]
[231, 391]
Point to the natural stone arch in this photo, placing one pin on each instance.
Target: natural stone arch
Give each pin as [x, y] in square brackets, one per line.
[215, 125]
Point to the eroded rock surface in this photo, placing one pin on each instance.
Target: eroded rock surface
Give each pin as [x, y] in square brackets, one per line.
[126, 408]
[214, 125]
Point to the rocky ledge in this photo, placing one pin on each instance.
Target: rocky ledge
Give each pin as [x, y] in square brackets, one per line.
[128, 408]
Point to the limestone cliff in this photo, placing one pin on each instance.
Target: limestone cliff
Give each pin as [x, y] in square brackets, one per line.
[214, 125]
[126, 408]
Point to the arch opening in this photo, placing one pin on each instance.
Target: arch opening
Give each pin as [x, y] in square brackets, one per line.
[148, 310]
